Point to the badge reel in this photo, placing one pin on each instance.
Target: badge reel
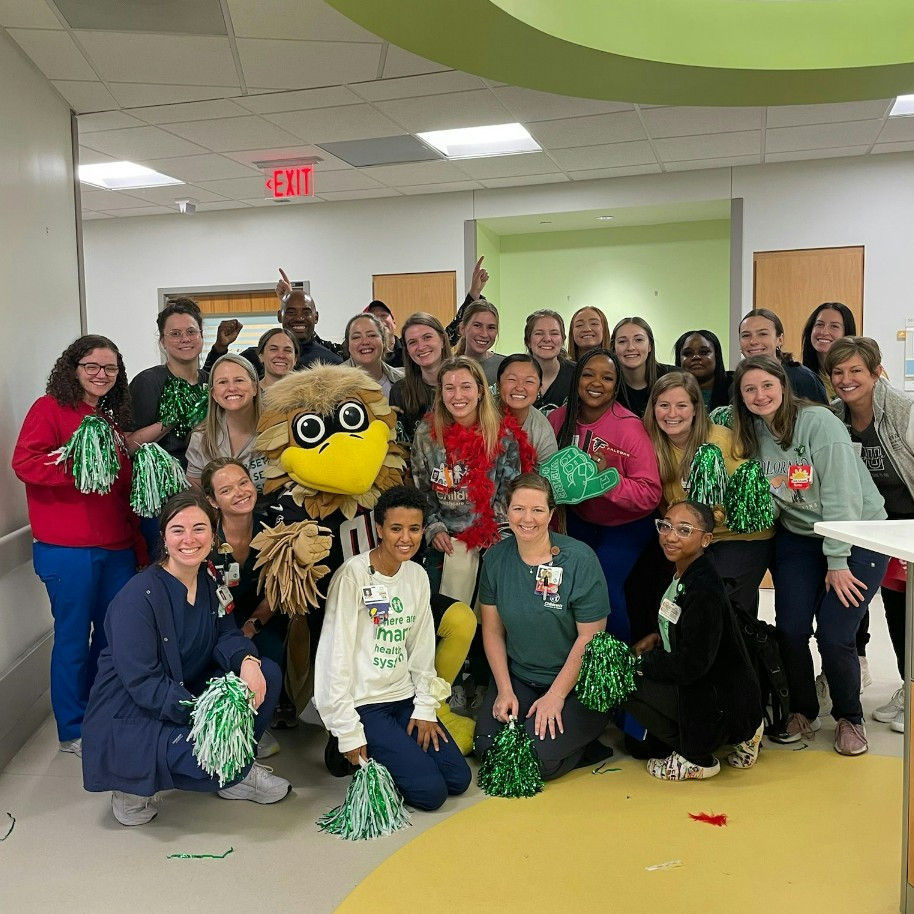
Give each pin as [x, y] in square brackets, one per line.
[226, 601]
[670, 611]
[377, 602]
[233, 574]
[548, 579]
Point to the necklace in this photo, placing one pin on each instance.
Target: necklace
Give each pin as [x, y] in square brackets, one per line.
[376, 566]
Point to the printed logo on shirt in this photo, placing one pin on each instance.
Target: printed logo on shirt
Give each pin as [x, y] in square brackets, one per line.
[446, 482]
[390, 638]
[873, 458]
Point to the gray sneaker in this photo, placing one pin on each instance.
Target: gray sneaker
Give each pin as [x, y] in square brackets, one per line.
[889, 711]
[823, 693]
[267, 746]
[131, 809]
[260, 785]
[72, 745]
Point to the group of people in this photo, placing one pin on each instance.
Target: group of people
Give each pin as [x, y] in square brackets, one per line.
[146, 612]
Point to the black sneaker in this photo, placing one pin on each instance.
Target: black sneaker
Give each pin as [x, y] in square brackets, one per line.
[335, 761]
[285, 716]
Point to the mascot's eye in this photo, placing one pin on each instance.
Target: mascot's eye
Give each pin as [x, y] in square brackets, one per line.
[352, 417]
[308, 429]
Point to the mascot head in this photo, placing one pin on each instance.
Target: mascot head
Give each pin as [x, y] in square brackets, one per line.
[329, 437]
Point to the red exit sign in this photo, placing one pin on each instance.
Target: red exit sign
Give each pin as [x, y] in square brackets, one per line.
[297, 181]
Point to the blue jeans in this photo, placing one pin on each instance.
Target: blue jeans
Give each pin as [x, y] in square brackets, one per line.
[81, 582]
[799, 599]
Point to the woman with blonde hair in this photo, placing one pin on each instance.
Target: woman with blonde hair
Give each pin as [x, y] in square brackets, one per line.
[366, 341]
[589, 330]
[478, 332]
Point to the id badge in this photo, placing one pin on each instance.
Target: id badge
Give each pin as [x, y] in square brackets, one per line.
[548, 578]
[670, 611]
[377, 602]
[226, 601]
[233, 574]
[799, 476]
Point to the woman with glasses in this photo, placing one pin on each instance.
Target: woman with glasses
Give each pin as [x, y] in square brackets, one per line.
[87, 546]
[696, 690]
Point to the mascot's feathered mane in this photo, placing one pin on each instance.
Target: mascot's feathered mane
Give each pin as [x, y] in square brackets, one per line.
[320, 389]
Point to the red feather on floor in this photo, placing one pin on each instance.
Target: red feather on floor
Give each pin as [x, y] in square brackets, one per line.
[719, 819]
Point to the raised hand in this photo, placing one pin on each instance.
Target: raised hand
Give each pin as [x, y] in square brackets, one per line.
[479, 279]
[283, 286]
[227, 333]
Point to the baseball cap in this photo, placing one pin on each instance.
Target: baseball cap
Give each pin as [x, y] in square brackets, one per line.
[377, 304]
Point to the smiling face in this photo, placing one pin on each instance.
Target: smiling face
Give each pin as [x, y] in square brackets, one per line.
[366, 346]
[675, 412]
[188, 539]
[597, 387]
[762, 393]
[529, 515]
[299, 316]
[546, 339]
[400, 536]
[827, 327]
[423, 345]
[480, 332]
[97, 379]
[233, 492]
[519, 386]
[697, 357]
[854, 382]
[758, 336]
[632, 345]
[232, 387]
[461, 395]
[683, 550]
[181, 338]
[587, 330]
[278, 356]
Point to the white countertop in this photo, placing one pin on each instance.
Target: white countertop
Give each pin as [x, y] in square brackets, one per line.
[890, 537]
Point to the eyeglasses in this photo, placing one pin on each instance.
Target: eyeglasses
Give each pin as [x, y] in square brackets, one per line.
[93, 368]
[192, 333]
[683, 531]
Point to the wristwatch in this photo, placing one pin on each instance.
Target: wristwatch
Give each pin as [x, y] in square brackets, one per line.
[257, 625]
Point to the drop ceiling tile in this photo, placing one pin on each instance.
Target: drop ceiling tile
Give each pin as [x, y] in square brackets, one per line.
[128, 212]
[189, 111]
[303, 19]
[528, 105]
[444, 112]
[54, 53]
[528, 163]
[196, 17]
[91, 157]
[402, 63]
[304, 65]
[449, 187]
[250, 156]
[105, 120]
[140, 142]
[821, 136]
[361, 194]
[593, 130]
[799, 154]
[221, 204]
[271, 102]
[210, 167]
[175, 60]
[666, 122]
[416, 173]
[87, 215]
[333, 125]
[85, 95]
[524, 180]
[105, 200]
[166, 196]
[712, 146]
[594, 173]
[801, 115]
[897, 130]
[414, 86]
[723, 162]
[27, 14]
[613, 155]
[138, 95]
[353, 179]
[233, 133]
[893, 147]
[269, 201]
[236, 188]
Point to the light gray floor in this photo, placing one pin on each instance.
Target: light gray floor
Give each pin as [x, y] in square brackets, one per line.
[67, 853]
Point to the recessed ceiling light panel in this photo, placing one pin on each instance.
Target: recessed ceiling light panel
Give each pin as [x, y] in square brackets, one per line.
[476, 142]
[604, 218]
[903, 107]
[123, 176]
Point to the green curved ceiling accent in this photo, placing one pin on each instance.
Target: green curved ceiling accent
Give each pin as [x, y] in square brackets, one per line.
[667, 52]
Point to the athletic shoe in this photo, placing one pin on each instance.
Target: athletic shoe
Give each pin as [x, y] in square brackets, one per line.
[889, 711]
[260, 785]
[823, 693]
[677, 768]
[130, 809]
[284, 715]
[865, 678]
[458, 701]
[745, 754]
[898, 724]
[337, 763]
[267, 746]
[798, 727]
[850, 739]
[72, 745]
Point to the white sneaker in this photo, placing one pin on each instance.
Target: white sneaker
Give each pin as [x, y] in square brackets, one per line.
[898, 724]
[823, 693]
[865, 678]
[267, 746]
[260, 785]
[889, 711]
[72, 745]
[679, 768]
[131, 809]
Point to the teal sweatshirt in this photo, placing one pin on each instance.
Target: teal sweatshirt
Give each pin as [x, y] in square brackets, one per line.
[840, 486]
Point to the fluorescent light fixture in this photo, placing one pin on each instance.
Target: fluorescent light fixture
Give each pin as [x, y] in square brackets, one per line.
[604, 218]
[122, 176]
[903, 107]
[475, 142]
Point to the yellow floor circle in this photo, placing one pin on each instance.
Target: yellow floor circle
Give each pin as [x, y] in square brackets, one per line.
[807, 832]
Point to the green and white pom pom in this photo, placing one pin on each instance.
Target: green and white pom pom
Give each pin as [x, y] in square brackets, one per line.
[607, 675]
[748, 501]
[708, 476]
[91, 455]
[722, 415]
[182, 406]
[156, 477]
[222, 728]
[373, 806]
[511, 768]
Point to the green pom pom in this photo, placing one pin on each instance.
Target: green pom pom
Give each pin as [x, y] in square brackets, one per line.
[222, 728]
[708, 476]
[722, 415]
[156, 477]
[91, 455]
[748, 502]
[511, 768]
[607, 675]
[182, 406]
[373, 806]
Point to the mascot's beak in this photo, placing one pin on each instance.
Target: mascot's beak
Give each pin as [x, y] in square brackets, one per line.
[347, 463]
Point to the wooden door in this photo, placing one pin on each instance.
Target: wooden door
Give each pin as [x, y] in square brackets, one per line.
[794, 283]
[407, 293]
